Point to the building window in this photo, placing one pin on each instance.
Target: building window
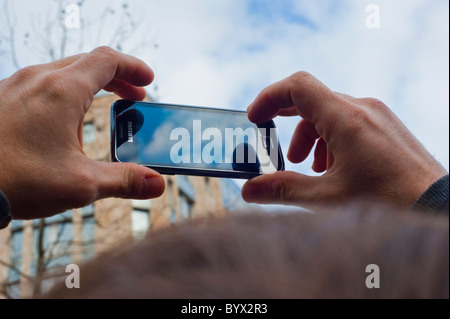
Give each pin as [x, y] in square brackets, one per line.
[186, 196]
[185, 206]
[88, 232]
[173, 214]
[186, 187]
[140, 222]
[52, 249]
[140, 218]
[89, 131]
[12, 287]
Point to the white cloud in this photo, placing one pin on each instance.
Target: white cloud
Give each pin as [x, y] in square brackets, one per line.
[157, 147]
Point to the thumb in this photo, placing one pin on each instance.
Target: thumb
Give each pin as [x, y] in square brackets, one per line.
[127, 180]
[285, 188]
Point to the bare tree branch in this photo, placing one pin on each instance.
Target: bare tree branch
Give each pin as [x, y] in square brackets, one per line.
[63, 27]
[47, 39]
[12, 36]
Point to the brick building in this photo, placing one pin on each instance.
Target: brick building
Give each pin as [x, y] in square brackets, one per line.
[40, 248]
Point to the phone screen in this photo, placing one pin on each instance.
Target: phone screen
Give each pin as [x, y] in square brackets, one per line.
[175, 139]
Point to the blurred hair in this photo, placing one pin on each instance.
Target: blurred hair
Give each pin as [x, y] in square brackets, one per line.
[285, 255]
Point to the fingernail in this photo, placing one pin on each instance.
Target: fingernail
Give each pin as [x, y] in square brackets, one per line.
[153, 186]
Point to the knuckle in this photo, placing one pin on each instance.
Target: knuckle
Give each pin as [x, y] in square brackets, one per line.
[53, 85]
[310, 88]
[377, 108]
[358, 115]
[300, 77]
[53, 80]
[125, 188]
[357, 119]
[381, 108]
[103, 52]
[283, 191]
[376, 103]
[26, 73]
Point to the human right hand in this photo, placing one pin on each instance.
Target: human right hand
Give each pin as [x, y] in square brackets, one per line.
[366, 152]
[43, 169]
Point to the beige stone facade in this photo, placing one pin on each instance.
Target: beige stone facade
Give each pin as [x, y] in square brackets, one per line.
[31, 248]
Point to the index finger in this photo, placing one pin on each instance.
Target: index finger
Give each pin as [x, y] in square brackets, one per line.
[312, 99]
[103, 65]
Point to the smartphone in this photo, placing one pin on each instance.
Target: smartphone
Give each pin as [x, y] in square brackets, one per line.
[190, 140]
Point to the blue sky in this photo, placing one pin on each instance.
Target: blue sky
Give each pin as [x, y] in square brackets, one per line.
[266, 11]
[223, 53]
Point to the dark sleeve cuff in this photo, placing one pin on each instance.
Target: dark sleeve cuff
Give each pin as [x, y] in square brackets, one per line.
[5, 211]
[435, 199]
